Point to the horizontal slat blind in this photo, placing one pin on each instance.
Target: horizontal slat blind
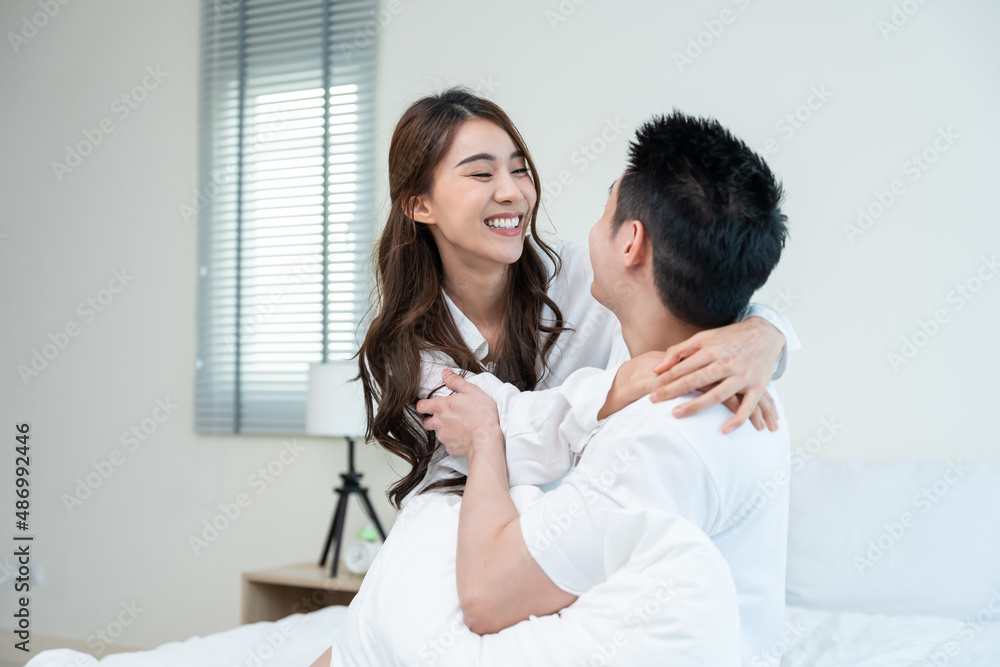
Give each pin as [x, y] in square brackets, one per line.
[285, 203]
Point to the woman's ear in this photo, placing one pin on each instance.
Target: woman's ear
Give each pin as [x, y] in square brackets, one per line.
[419, 209]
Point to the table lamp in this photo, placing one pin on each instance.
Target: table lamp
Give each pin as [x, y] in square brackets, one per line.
[336, 407]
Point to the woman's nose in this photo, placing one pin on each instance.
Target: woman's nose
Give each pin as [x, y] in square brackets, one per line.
[507, 190]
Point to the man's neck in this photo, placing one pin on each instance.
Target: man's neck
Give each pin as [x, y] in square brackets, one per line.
[652, 327]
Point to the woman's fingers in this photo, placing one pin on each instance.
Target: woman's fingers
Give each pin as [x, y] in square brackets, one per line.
[713, 396]
[757, 417]
[769, 411]
[678, 352]
[692, 373]
[748, 403]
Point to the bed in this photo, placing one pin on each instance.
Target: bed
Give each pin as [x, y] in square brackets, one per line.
[815, 639]
[889, 564]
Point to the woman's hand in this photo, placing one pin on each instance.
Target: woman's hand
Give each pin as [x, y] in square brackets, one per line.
[463, 420]
[736, 361]
[636, 378]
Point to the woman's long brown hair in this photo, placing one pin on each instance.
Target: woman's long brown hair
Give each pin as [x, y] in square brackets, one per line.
[411, 315]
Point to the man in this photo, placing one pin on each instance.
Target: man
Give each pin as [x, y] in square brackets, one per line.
[690, 231]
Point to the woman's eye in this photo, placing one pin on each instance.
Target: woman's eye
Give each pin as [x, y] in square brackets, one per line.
[522, 170]
[483, 175]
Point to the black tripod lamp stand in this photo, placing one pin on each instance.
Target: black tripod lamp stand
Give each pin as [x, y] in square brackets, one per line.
[336, 408]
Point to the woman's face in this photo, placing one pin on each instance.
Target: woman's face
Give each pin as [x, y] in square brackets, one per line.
[482, 195]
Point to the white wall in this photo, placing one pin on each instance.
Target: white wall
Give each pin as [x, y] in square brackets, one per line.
[563, 83]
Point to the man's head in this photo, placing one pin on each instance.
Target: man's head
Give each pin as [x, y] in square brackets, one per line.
[696, 214]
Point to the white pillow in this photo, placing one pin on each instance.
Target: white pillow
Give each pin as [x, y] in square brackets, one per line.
[671, 601]
[907, 537]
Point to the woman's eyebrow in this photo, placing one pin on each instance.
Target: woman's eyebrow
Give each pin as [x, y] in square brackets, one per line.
[488, 158]
[476, 157]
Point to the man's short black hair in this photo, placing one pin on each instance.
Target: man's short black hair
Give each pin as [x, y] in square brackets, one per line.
[710, 206]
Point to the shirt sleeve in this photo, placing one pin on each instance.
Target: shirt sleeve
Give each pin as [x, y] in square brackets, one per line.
[638, 462]
[782, 324]
[544, 429]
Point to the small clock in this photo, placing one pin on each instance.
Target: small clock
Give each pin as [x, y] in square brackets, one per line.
[360, 554]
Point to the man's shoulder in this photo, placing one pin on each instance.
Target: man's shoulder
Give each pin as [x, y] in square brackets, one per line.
[654, 423]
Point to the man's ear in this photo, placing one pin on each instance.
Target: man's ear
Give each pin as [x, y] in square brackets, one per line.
[418, 208]
[635, 240]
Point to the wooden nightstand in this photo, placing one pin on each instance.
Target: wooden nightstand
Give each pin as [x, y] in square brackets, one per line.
[270, 595]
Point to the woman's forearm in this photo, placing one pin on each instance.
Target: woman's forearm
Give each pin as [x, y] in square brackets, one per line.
[487, 509]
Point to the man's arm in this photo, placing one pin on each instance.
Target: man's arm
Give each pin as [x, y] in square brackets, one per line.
[499, 582]
[501, 579]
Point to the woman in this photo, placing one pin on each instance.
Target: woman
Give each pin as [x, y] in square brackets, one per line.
[465, 282]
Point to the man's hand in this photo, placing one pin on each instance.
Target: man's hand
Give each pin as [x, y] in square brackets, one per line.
[736, 361]
[466, 417]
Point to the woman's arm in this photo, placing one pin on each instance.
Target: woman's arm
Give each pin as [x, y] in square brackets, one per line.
[738, 361]
[499, 582]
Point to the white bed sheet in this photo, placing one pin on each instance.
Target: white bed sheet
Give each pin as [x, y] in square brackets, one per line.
[812, 639]
[838, 639]
[295, 641]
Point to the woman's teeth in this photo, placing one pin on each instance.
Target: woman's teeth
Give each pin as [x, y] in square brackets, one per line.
[504, 223]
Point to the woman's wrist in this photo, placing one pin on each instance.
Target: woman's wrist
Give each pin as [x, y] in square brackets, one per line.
[486, 440]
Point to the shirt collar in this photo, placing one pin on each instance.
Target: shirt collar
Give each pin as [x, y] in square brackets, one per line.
[475, 340]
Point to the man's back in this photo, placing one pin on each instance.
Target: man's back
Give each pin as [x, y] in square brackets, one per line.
[734, 487]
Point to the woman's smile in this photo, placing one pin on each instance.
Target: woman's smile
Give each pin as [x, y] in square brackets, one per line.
[505, 224]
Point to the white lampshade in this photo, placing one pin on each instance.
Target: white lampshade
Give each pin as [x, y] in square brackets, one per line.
[336, 405]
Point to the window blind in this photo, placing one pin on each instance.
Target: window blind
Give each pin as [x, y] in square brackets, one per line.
[285, 203]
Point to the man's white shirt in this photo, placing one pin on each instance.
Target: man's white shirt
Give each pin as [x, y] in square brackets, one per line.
[734, 487]
[708, 478]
